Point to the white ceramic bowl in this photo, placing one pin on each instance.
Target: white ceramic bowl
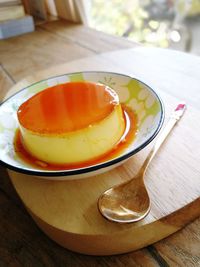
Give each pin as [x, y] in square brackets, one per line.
[134, 93]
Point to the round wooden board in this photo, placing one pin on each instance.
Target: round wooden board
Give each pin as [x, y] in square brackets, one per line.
[67, 210]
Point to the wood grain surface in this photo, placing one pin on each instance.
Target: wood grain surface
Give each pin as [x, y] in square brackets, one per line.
[19, 236]
[24, 55]
[67, 211]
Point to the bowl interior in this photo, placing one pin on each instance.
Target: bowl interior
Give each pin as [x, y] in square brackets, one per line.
[135, 94]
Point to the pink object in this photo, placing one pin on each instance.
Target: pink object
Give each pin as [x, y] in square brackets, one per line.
[180, 106]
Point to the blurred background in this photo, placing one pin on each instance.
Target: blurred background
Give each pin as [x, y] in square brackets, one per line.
[171, 24]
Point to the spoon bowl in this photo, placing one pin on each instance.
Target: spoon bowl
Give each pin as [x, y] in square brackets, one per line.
[126, 202]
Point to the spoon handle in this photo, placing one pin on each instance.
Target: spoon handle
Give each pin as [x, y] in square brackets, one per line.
[174, 117]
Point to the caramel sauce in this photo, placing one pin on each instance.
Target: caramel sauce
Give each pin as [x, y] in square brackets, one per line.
[67, 107]
[129, 135]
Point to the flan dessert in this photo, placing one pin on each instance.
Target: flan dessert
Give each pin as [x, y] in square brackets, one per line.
[71, 123]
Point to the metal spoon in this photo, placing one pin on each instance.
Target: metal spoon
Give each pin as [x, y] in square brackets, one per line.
[130, 202]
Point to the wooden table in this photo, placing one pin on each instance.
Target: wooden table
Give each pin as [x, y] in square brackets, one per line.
[21, 241]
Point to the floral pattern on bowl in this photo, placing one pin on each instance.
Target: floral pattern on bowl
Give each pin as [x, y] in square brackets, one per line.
[134, 93]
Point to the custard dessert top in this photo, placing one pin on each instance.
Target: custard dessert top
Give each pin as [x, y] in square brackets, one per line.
[67, 107]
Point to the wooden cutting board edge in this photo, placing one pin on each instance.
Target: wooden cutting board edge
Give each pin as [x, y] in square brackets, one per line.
[124, 241]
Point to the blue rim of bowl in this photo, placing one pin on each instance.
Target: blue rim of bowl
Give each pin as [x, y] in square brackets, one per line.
[97, 166]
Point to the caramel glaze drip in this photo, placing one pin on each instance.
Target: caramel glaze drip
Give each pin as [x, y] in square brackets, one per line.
[130, 133]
